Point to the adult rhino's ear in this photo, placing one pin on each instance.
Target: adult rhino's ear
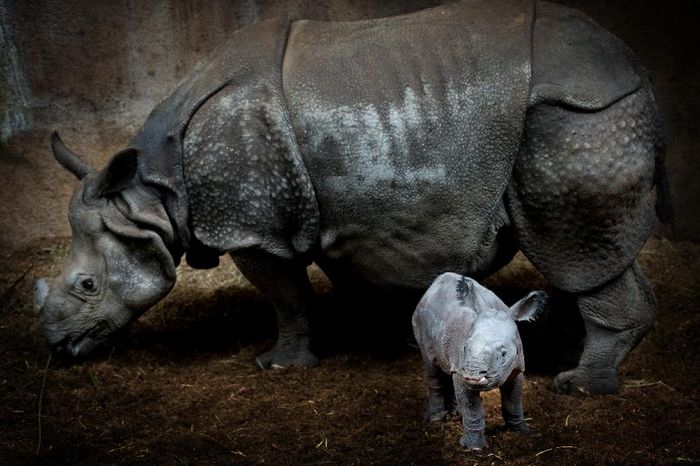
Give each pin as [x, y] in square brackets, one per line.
[529, 307]
[118, 173]
[67, 158]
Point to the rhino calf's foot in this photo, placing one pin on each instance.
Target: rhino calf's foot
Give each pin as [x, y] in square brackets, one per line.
[474, 441]
[521, 427]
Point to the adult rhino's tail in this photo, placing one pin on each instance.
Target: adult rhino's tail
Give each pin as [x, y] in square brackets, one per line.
[664, 206]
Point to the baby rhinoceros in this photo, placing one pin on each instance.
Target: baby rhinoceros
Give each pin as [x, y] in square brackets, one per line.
[467, 334]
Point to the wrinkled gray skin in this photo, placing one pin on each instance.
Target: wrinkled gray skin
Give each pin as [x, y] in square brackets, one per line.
[470, 343]
[387, 151]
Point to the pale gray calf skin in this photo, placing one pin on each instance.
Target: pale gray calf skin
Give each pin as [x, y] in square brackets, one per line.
[470, 343]
[388, 151]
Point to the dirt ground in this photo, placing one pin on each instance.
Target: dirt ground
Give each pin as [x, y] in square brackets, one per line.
[181, 386]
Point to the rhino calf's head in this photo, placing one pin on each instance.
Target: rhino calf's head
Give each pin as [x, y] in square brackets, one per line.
[119, 262]
[493, 348]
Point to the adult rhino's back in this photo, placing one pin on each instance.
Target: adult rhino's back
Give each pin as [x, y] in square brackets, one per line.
[408, 127]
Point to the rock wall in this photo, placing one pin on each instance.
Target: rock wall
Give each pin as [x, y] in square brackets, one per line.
[112, 61]
[14, 91]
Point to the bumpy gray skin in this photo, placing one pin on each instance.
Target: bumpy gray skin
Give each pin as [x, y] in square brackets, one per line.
[388, 151]
[470, 343]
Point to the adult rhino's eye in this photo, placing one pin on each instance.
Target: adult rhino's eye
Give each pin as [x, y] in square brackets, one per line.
[88, 284]
[84, 285]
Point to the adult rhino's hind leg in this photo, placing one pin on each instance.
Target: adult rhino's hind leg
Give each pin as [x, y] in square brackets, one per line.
[616, 316]
[286, 284]
[582, 201]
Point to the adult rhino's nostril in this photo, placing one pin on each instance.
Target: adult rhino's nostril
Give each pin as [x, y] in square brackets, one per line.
[41, 291]
[483, 372]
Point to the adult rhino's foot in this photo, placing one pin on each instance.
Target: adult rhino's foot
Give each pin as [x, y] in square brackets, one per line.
[582, 381]
[281, 357]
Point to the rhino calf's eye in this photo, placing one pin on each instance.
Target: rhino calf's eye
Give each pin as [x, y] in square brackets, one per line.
[88, 284]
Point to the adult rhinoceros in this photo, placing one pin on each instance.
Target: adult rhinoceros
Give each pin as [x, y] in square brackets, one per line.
[388, 151]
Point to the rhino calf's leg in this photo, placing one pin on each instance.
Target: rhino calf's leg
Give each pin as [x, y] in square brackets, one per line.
[512, 404]
[471, 407]
[286, 284]
[616, 316]
[440, 393]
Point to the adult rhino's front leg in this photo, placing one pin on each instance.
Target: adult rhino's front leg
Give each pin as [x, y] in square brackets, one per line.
[286, 284]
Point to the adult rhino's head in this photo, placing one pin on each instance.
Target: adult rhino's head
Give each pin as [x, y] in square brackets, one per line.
[493, 347]
[119, 262]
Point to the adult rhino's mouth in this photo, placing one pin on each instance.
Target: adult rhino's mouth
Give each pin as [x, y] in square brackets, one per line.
[74, 347]
[79, 345]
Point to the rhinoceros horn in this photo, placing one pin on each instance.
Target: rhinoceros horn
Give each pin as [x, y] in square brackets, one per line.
[67, 158]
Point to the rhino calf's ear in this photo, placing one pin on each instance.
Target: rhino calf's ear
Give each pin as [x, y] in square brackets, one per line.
[119, 172]
[529, 307]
